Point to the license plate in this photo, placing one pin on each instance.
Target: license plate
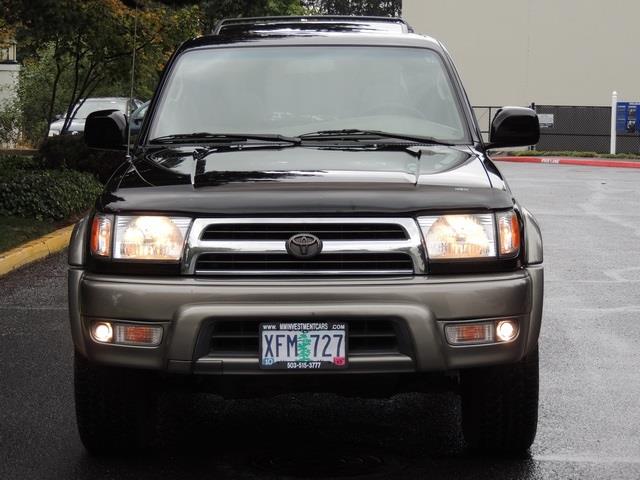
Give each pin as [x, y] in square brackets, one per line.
[303, 345]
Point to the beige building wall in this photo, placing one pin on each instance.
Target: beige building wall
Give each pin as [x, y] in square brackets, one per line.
[9, 71]
[8, 81]
[555, 52]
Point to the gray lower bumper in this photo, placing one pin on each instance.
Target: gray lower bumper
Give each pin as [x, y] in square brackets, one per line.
[422, 304]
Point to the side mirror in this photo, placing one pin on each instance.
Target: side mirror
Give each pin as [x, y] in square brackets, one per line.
[514, 127]
[58, 117]
[106, 130]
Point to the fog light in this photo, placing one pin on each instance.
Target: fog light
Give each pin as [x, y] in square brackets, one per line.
[102, 332]
[470, 333]
[138, 335]
[506, 330]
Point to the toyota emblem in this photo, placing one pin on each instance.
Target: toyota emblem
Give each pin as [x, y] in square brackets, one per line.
[304, 246]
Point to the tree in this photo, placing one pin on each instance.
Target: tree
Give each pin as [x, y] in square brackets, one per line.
[72, 49]
[93, 40]
[6, 32]
[9, 131]
[216, 10]
[384, 8]
[37, 78]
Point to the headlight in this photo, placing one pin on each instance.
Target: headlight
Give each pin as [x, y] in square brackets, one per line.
[150, 238]
[459, 237]
[53, 132]
[139, 237]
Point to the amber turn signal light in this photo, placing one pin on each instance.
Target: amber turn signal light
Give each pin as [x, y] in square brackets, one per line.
[127, 334]
[508, 233]
[101, 235]
[138, 335]
[469, 333]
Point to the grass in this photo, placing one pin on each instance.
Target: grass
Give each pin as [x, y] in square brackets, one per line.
[544, 153]
[15, 231]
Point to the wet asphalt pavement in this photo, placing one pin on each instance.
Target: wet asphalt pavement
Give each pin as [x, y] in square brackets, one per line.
[590, 375]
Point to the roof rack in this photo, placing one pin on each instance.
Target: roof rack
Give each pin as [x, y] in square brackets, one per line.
[319, 19]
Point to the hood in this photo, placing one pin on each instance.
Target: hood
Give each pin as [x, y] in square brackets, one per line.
[306, 180]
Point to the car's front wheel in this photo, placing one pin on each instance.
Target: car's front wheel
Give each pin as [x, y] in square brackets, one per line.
[500, 406]
[115, 407]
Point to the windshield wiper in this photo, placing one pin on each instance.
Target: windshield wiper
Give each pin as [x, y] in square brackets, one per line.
[206, 137]
[395, 147]
[355, 134]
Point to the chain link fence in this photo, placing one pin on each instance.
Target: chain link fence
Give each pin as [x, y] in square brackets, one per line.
[570, 128]
[484, 116]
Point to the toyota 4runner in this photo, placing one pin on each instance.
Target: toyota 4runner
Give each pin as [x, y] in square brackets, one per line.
[310, 206]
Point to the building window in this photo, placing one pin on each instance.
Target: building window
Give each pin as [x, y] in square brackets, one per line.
[8, 52]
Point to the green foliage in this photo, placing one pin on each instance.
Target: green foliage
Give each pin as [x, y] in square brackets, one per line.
[566, 153]
[216, 10]
[10, 163]
[75, 49]
[10, 120]
[6, 32]
[628, 156]
[381, 8]
[160, 31]
[70, 151]
[34, 94]
[46, 194]
[15, 231]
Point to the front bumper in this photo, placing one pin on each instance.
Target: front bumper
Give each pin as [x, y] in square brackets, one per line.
[422, 306]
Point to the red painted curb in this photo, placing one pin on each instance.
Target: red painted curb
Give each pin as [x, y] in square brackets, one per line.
[589, 162]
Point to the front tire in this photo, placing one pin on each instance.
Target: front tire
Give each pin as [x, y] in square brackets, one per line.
[115, 407]
[500, 406]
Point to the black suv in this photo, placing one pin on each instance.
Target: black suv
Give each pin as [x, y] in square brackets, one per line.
[310, 207]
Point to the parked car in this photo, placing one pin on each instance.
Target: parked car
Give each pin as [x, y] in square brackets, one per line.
[91, 105]
[137, 117]
[308, 208]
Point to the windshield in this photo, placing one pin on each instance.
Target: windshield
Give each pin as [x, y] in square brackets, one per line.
[90, 106]
[296, 90]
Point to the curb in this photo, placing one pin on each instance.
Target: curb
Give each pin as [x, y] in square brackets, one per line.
[590, 162]
[35, 250]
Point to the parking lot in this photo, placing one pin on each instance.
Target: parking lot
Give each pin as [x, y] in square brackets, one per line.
[590, 388]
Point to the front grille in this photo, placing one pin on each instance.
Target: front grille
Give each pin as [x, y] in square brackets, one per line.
[373, 337]
[260, 263]
[239, 338]
[246, 246]
[231, 338]
[284, 231]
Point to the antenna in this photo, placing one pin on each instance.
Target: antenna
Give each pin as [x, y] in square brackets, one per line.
[133, 72]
